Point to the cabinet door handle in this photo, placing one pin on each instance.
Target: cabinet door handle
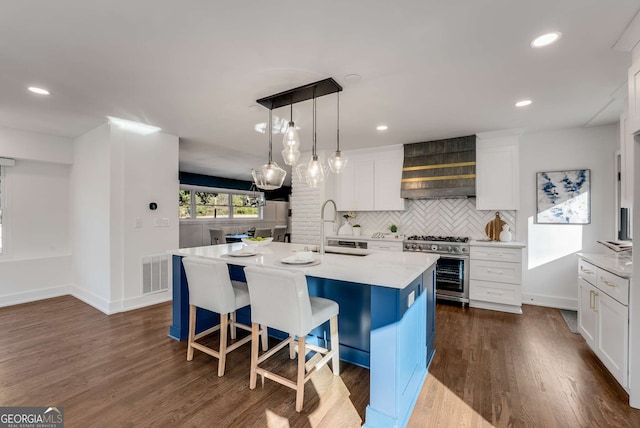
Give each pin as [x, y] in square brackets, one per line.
[499, 272]
[595, 294]
[610, 284]
[591, 299]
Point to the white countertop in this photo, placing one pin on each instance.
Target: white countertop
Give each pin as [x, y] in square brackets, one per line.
[386, 269]
[617, 263]
[387, 238]
[487, 243]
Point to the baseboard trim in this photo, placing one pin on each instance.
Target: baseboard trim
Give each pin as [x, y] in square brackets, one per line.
[34, 295]
[550, 301]
[92, 300]
[495, 306]
[146, 300]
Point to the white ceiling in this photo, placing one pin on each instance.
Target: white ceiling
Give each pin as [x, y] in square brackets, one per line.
[430, 69]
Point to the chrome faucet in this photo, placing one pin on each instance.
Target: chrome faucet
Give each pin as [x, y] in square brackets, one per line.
[335, 218]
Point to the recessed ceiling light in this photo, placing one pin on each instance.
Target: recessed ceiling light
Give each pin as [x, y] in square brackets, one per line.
[39, 91]
[254, 107]
[136, 127]
[545, 39]
[352, 78]
[382, 127]
[523, 103]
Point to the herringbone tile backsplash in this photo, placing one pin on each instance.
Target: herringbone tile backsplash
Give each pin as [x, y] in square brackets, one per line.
[438, 217]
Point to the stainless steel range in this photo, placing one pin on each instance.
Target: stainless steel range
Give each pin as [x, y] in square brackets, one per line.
[452, 269]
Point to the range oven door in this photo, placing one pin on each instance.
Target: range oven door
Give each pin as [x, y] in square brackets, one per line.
[452, 278]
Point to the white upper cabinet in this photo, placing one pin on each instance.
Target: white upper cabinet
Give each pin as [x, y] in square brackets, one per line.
[371, 181]
[497, 177]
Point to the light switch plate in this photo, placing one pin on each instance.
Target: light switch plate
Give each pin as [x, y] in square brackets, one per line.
[161, 222]
[411, 299]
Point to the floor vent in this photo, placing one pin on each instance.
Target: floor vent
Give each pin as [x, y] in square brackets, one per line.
[155, 274]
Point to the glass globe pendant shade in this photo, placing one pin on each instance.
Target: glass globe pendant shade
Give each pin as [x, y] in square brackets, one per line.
[291, 140]
[315, 172]
[269, 176]
[337, 162]
[290, 156]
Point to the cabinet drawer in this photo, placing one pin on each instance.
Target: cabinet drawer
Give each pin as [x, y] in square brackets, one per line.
[497, 254]
[615, 286]
[587, 271]
[485, 270]
[509, 294]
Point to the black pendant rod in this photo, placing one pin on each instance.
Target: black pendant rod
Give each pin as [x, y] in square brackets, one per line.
[270, 149]
[338, 126]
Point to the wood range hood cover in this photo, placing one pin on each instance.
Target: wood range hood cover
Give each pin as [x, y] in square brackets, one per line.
[440, 169]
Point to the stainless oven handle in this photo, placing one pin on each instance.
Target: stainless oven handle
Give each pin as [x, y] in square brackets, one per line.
[454, 257]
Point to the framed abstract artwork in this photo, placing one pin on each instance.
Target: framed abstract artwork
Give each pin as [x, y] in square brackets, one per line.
[564, 197]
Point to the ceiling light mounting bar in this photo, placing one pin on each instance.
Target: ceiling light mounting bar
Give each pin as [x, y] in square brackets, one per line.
[302, 93]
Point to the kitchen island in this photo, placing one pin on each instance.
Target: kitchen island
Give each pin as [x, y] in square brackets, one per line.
[386, 320]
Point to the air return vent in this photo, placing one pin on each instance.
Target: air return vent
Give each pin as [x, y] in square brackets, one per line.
[155, 273]
[440, 169]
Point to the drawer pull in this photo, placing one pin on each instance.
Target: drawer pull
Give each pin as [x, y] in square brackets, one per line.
[610, 284]
[499, 272]
[499, 293]
[594, 294]
[587, 271]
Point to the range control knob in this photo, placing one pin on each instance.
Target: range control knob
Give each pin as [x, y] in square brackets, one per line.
[434, 248]
[463, 249]
[420, 247]
[414, 246]
[449, 249]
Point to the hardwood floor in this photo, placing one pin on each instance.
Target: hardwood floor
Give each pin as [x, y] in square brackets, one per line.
[490, 369]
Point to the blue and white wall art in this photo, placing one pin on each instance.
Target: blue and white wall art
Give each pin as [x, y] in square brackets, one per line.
[564, 197]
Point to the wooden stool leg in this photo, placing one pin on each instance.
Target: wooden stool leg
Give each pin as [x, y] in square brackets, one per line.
[254, 355]
[265, 338]
[292, 347]
[233, 325]
[335, 345]
[192, 331]
[301, 373]
[224, 325]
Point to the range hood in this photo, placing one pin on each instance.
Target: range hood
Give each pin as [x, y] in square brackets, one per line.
[440, 169]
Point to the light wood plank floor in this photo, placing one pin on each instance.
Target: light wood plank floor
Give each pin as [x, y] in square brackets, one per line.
[490, 369]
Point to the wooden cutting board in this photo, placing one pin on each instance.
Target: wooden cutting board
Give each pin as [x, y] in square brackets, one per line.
[494, 227]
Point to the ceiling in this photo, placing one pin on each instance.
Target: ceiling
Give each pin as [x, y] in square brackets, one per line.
[429, 69]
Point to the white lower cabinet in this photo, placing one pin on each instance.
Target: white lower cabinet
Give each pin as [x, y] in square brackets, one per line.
[495, 277]
[603, 320]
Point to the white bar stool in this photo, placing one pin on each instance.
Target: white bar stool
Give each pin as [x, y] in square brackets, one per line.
[211, 288]
[280, 299]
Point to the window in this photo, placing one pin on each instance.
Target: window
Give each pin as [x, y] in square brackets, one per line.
[208, 203]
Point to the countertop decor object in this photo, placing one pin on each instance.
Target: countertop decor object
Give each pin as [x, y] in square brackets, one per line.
[494, 227]
[257, 242]
[356, 230]
[505, 235]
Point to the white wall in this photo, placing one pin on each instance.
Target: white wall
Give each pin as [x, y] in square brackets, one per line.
[33, 146]
[90, 218]
[150, 174]
[36, 263]
[116, 174]
[549, 272]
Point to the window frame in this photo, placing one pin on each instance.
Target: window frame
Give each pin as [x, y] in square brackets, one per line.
[192, 207]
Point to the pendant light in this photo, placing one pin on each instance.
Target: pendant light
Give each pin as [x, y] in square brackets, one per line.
[337, 162]
[291, 142]
[315, 172]
[269, 176]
